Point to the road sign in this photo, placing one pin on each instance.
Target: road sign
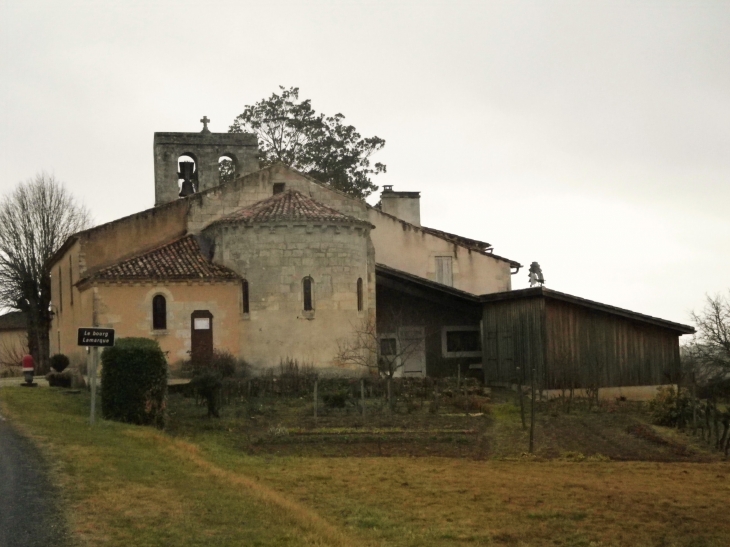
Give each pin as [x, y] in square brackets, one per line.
[96, 337]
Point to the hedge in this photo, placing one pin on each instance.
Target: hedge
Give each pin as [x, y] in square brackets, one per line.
[134, 382]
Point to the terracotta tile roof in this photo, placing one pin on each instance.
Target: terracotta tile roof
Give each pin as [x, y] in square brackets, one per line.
[181, 259]
[287, 206]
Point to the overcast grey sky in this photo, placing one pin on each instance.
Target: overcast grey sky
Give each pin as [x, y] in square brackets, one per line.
[593, 137]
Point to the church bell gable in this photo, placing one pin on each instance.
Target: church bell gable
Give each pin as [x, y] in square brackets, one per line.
[188, 163]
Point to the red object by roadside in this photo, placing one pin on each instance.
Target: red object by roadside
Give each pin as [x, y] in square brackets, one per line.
[28, 365]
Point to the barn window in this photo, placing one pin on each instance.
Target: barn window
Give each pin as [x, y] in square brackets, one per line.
[307, 293]
[444, 270]
[461, 341]
[244, 296]
[388, 346]
[159, 312]
[359, 294]
[279, 187]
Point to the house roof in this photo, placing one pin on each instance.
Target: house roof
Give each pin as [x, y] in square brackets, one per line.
[392, 273]
[289, 206]
[14, 320]
[482, 246]
[555, 295]
[180, 259]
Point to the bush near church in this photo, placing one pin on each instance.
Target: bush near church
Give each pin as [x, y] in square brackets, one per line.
[134, 384]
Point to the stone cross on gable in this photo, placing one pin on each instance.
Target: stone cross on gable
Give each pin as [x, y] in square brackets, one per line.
[205, 121]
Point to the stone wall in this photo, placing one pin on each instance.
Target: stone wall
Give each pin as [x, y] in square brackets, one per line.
[275, 259]
[127, 308]
[206, 149]
[406, 247]
[242, 192]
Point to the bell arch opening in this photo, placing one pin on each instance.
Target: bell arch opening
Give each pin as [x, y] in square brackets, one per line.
[227, 167]
[187, 174]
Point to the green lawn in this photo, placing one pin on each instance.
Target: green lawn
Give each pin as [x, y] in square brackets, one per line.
[127, 485]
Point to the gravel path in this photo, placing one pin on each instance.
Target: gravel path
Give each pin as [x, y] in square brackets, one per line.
[29, 514]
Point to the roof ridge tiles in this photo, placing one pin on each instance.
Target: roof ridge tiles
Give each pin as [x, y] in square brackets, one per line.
[291, 205]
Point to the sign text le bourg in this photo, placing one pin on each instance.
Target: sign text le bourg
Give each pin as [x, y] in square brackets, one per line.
[96, 337]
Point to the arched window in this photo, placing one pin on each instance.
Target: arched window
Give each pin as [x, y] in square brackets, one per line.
[359, 294]
[244, 296]
[159, 313]
[227, 168]
[307, 292]
[187, 173]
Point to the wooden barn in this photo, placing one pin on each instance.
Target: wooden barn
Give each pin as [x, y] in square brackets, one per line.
[574, 342]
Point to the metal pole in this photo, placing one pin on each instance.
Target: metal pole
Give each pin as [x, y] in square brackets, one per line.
[92, 379]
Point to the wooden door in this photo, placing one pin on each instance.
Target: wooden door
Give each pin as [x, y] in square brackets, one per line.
[413, 350]
[201, 337]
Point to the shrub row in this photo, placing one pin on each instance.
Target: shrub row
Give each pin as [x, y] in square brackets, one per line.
[134, 385]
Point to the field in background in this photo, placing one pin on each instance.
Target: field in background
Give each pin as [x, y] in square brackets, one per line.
[221, 482]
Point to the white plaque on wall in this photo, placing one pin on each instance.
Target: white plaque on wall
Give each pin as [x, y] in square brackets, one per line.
[201, 323]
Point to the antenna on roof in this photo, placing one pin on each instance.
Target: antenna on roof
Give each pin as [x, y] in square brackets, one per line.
[536, 276]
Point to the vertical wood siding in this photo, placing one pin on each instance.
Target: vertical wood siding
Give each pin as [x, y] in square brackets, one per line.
[574, 345]
[587, 348]
[513, 337]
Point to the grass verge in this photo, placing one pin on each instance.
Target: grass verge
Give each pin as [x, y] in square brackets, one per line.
[127, 485]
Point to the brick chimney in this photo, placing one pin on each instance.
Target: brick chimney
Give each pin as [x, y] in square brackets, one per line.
[403, 205]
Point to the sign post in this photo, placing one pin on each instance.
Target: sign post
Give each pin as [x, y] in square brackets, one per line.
[95, 338]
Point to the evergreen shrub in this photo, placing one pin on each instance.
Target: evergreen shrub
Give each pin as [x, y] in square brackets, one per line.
[59, 362]
[670, 408]
[134, 382]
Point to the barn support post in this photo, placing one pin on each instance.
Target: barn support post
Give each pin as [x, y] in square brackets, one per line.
[694, 405]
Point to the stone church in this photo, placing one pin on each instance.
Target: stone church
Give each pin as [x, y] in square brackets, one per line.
[270, 264]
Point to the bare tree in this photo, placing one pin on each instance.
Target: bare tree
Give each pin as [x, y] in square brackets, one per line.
[710, 350]
[381, 353]
[35, 220]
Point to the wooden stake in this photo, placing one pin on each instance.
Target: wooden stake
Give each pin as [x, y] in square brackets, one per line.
[522, 398]
[315, 400]
[694, 406]
[390, 403]
[532, 413]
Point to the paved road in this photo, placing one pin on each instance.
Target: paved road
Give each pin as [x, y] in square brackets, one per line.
[29, 515]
